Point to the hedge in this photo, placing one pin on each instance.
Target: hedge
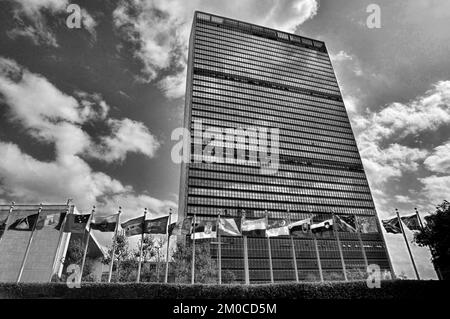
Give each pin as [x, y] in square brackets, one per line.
[394, 289]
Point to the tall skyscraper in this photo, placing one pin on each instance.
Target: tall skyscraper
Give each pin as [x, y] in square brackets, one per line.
[270, 132]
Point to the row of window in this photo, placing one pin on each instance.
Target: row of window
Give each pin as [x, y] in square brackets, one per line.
[220, 197]
[270, 92]
[292, 125]
[311, 47]
[319, 181]
[263, 182]
[243, 150]
[252, 108]
[297, 212]
[298, 60]
[275, 47]
[284, 100]
[284, 170]
[264, 71]
[242, 133]
[220, 157]
[300, 195]
[260, 75]
[251, 143]
[297, 132]
[200, 187]
[246, 98]
[247, 60]
[277, 63]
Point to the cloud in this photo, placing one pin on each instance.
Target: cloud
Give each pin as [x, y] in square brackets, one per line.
[439, 161]
[425, 113]
[159, 30]
[31, 21]
[397, 120]
[53, 117]
[436, 188]
[127, 136]
[393, 161]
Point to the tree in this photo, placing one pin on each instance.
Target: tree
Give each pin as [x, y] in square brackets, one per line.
[436, 235]
[121, 253]
[205, 266]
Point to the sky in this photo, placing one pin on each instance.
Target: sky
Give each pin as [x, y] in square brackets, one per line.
[87, 113]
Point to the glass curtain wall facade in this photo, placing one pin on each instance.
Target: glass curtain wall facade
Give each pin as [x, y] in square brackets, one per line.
[239, 76]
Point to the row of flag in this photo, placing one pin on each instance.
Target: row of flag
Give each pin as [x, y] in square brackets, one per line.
[393, 225]
[76, 223]
[264, 228]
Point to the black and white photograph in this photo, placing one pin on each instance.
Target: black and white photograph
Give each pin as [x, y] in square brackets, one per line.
[220, 158]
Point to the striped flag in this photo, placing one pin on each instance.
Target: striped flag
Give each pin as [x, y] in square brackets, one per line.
[299, 227]
[412, 222]
[229, 227]
[105, 224]
[181, 227]
[322, 226]
[76, 223]
[133, 226]
[277, 228]
[205, 229]
[156, 226]
[254, 227]
[346, 223]
[392, 226]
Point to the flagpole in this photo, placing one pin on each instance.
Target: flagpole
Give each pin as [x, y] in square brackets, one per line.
[219, 247]
[341, 254]
[363, 250]
[246, 271]
[269, 249]
[319, 263]
[27, 251]
[294, 257]
[407, 244]
[138, 279]
[167, 251]
[87, 243]
[61, 232]
[114, 245]
[11, 208]
[193, 253]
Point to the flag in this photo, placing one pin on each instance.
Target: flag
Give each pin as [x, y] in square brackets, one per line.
[205, 229]
[62, 216]
[3, 221]
[254, 227]
[412, 222]
[181, 227]
[277, 228]
[366, 224]
[299, 227]
[392, 226]
[133, 227]
[156, 226]
[346, 223]
[106, 224]
[228, 227]
[76, 223]
[322, 226]
[26, 223]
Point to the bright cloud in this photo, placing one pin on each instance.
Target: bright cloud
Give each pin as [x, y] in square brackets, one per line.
[53, 117]
[439, 161]
[160, 29]
[32, 23]
[436, 188]
[425, 113]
